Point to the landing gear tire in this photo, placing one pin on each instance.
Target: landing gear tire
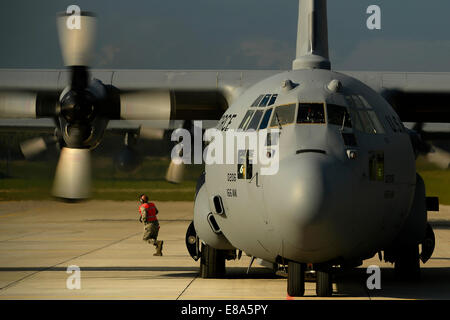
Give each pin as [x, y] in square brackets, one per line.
[296, 279]
[324, 284]
[407, 264]
[212, 262]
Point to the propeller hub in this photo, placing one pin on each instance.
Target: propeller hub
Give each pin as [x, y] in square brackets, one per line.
[78, 106]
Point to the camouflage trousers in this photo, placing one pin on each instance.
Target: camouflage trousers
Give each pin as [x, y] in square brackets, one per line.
[151, 231]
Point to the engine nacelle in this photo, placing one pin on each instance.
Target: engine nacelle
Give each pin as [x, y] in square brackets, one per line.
[206, 225]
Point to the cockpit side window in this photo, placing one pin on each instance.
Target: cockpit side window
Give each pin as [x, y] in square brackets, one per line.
[283, 115]
[311, 113]
[338, 115]
[375, 122]
[255, 120]
[257, 101]
[246, 119]
[265, 100]
[265, 120]
[365, 118]
[273, 99]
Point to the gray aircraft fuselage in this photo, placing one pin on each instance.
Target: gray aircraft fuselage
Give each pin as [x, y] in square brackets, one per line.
[345, 182]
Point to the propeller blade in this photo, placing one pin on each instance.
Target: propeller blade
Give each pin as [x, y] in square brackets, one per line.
[73, 175]
[439, 157]
[15, 105]
[175, 172]
[151, 133]
[77, 40]
[33, 147]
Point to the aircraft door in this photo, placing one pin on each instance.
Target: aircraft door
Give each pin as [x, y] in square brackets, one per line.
[249, 172]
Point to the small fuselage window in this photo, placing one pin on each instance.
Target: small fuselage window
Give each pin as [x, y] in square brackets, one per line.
[311, 113]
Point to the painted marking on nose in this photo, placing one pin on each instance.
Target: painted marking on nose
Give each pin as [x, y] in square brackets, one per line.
[310, 150]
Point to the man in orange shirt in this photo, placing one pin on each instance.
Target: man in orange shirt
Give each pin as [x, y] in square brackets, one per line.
[148, 214]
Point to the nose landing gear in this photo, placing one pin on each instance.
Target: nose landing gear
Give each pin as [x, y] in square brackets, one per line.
[296, 280]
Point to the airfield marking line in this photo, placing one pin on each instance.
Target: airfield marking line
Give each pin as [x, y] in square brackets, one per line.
[73, 258]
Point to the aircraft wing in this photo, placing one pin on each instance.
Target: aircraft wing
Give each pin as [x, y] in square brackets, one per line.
[416, 96]
[206, 94]
[144, 94]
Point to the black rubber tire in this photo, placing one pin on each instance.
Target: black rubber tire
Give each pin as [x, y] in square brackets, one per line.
[324, 284]
[407, 264]
[212, 262]
[296, 279]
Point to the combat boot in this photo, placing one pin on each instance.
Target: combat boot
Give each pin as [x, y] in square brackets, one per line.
[159, 246]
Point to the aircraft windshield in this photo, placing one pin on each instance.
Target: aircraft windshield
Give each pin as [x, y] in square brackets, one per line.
[283, 115]
[311, 113]
[338, 115]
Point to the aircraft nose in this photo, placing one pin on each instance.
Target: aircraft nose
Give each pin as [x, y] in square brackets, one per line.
[310, 191]
[301, 189]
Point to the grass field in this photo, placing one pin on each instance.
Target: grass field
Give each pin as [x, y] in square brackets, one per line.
[33, 181]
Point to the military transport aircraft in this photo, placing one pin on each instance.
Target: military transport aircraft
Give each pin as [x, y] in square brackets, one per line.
[345, 187]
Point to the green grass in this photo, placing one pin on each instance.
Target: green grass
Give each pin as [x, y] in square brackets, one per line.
[33, 181]
[437, 181]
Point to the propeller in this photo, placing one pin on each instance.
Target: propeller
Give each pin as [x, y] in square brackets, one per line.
[437, 156]
[83, 109]
[81, 115]
[175, 172]
[31, 148]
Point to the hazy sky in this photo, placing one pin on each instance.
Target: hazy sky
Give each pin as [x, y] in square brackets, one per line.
[230, 34]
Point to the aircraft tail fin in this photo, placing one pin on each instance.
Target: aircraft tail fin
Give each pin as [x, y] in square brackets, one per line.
[312, 36]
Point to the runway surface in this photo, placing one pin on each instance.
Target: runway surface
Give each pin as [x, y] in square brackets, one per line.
[39, 240]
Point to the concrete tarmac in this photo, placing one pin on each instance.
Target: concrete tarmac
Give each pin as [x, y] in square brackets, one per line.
[39, 240]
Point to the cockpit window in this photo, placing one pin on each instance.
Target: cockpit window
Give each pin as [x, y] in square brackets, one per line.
[265, 100]
[375, 122]
[311, 113]
[365, 119]
[246, 119]
[273, 99]
[257, 101]
[283, 115]
[255, 120]
[265, 120]
[338, 115]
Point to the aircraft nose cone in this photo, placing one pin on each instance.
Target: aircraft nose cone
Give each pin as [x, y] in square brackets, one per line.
[301, 190]
[310, 192]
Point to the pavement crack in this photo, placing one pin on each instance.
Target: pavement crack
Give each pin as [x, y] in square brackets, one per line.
[182, 292]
